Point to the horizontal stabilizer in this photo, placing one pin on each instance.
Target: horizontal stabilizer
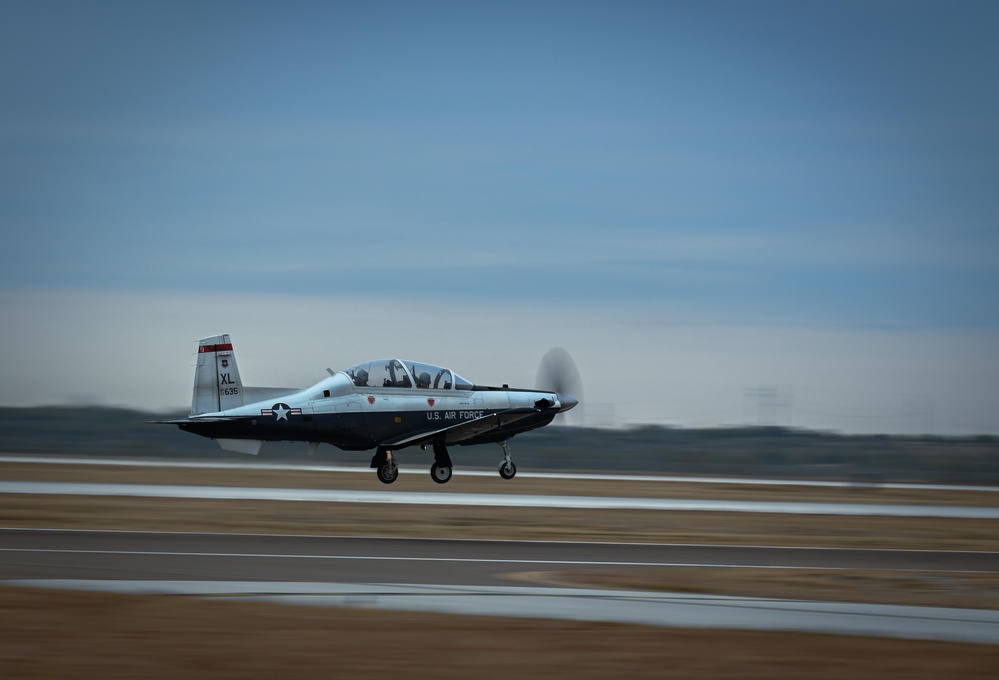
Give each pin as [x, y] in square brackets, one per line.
[198, 419]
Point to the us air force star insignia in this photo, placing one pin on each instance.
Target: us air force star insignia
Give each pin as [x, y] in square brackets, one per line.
[281, 412]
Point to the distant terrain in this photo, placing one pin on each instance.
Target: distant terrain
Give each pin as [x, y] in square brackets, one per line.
[750, 451]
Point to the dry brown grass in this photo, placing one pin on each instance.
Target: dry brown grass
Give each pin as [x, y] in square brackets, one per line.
[61, 634]
[347, 519]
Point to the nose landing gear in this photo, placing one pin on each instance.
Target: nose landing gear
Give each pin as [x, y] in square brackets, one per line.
[506, 467]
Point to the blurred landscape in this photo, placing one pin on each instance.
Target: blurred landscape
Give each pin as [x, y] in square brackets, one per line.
[770, 452]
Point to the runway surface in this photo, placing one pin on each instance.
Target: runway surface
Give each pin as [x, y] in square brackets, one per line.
[472, 577]
[495, 500]
[477, 576]
[158, 555]
[337, 469]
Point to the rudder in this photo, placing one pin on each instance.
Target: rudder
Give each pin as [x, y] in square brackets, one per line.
[217, 386]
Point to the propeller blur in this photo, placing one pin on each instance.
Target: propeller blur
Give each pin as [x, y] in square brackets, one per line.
[559, 374]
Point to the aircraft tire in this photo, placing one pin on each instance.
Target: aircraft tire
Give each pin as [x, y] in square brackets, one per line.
[507, 470]
[440, 473]
[388, 472]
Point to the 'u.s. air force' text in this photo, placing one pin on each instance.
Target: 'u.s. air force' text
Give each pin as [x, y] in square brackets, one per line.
[454, 415]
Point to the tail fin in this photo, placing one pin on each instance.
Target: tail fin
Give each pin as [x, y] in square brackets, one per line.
[217, 386]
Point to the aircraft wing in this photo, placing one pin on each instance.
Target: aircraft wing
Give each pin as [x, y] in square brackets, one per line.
[469, 429]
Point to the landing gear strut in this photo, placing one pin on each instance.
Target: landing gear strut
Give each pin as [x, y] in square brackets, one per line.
[440, 471]
[387, 468]
[506, 468]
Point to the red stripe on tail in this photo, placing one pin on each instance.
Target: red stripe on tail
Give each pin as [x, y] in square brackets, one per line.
[215, 348]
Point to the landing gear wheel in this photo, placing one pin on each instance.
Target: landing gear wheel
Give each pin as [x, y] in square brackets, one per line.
[440, 473]
[388, 472]
[507, 469]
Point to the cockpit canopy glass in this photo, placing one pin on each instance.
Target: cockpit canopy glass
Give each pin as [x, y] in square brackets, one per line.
[395, 373]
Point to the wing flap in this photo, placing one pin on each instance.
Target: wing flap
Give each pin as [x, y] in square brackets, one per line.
[467, 430]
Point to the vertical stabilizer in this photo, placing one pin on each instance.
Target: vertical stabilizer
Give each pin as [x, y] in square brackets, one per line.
[217, 386]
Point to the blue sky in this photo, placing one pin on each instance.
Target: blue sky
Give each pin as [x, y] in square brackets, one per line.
[826, 167]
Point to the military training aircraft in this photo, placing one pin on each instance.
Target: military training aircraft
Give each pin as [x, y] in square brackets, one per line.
[386, 405]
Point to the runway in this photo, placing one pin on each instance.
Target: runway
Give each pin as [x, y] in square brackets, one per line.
[495, 500]
[347, 469]
[472, 577]
[486, 577]
[157, 555]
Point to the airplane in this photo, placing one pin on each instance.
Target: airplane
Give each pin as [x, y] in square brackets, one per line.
[385, 404]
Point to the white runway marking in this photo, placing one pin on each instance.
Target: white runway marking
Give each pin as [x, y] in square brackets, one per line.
[482, 473]
[495, 500]
[471, 560]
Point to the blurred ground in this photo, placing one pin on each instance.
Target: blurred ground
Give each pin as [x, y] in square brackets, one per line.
[58, 634]
[727, 528]
[91, 635]
[415, 477]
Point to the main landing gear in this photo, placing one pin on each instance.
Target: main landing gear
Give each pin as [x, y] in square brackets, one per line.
[506, 467]
[440, 471]
[388, 469]
[385, 465]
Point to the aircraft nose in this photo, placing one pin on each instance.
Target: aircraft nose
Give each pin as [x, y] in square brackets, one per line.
[566, 401]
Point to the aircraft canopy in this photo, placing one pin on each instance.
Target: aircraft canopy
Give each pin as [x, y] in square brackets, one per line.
[405, 374]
